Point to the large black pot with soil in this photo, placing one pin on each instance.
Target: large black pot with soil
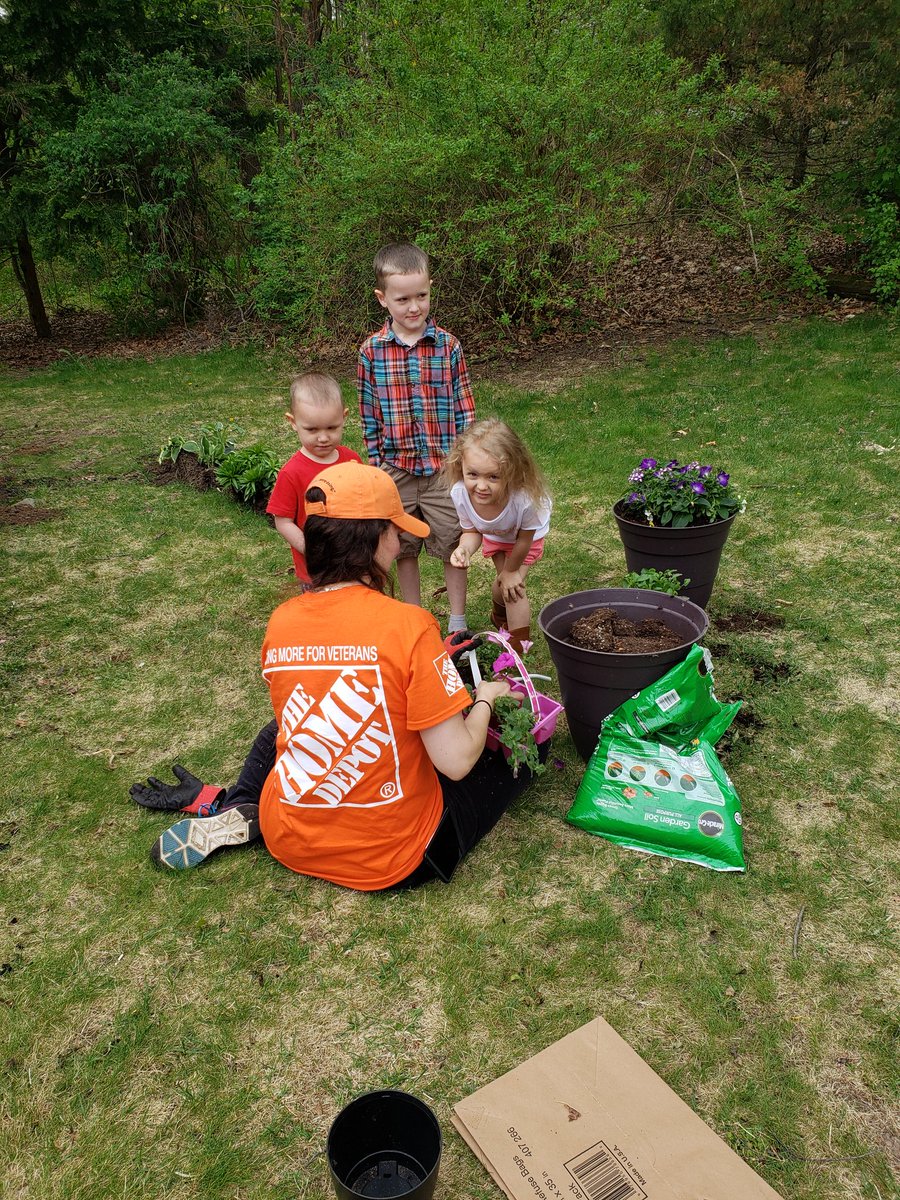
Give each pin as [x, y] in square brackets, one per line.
[593, 682]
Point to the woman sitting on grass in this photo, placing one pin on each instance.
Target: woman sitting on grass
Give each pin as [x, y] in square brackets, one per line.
[369, 776]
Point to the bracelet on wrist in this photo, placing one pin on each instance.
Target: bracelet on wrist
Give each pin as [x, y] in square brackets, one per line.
[487, 702]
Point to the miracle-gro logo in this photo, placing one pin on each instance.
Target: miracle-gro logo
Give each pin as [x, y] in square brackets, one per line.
[710, 823]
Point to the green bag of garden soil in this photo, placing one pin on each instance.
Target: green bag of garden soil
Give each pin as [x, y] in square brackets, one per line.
[679, 709]
[666, 793]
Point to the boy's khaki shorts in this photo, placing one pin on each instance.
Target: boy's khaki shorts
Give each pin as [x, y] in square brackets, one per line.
[426, 497]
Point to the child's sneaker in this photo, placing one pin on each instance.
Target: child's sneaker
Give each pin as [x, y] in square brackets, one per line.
[191, 841]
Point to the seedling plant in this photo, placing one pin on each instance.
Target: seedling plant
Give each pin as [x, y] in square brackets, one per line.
[671, 581]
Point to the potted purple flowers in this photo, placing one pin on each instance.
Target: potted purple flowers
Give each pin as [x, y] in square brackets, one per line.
[677, 517]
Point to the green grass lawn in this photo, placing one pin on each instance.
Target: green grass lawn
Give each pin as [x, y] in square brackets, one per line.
[193, 1035]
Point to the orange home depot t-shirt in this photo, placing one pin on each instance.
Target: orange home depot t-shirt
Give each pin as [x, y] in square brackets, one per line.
[353, 676]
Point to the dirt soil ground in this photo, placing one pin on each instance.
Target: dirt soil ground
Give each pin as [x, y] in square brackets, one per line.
[674, 284]
[604, 629]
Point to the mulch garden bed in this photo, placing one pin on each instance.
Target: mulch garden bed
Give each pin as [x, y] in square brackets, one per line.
[188, 469]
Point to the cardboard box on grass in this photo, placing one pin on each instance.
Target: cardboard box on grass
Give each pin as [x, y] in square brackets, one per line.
[588, 1119]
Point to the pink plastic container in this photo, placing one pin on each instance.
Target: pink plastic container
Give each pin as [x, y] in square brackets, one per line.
[543, 729]
[544, 708]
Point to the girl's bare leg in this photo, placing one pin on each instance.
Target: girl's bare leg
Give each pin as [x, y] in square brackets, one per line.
[518, 612]
[456, 579]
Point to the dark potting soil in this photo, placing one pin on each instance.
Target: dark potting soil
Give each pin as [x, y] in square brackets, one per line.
[604, 629]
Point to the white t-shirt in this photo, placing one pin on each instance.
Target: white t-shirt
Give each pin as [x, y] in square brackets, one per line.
[520, 513]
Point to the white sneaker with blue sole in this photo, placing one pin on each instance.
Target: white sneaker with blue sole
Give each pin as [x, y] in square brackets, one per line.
[191, 841]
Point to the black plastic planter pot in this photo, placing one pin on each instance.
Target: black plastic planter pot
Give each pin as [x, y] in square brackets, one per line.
[694, 552]
[384, 1144]
[593, 682]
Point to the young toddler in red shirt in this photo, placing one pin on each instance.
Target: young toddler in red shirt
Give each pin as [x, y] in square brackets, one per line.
[317, 415]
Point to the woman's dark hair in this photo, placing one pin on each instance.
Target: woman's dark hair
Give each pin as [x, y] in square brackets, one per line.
[338, 550]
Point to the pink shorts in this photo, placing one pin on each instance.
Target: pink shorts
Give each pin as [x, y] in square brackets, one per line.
[489, 548]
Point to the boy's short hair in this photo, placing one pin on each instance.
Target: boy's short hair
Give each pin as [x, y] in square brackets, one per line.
[316, 388]
[400, 258]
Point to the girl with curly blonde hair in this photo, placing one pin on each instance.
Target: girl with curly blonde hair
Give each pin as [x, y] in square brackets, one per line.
[503, 506]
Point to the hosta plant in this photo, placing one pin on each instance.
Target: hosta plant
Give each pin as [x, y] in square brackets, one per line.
[211, 444]
[250, 473]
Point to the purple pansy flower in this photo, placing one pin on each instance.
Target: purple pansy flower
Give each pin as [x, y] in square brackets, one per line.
[704, 471]
[697, 487]
[636, 476]
[636, 498]
[692, 466]
[647, 464]
[722, 479]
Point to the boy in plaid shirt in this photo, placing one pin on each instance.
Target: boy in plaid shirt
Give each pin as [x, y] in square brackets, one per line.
[414, 398]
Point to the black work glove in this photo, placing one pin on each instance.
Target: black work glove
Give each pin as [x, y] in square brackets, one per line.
[167, 797]
[460, 643]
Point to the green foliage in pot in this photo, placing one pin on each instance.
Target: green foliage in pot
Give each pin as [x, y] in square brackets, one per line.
[515, 722]
[679, 495]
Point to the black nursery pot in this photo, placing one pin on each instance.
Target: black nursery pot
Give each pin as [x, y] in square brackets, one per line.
[695, 551]
[384, 1144]
[594, 682]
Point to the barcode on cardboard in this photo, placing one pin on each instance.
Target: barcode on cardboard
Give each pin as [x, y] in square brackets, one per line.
[668, 700]
[601, 1176]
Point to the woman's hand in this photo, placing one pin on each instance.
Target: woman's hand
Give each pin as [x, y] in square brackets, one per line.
[461, 557]
[491, 690]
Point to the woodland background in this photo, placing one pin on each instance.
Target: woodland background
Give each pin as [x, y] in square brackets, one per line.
[171, 160]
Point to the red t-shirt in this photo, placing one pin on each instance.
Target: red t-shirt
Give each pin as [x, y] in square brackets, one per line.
[290, 488]
[353, 676]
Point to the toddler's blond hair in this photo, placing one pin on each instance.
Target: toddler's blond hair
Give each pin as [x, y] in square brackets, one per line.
[315, 388]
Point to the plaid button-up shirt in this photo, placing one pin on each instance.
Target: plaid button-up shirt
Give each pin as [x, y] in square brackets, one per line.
[413, 400]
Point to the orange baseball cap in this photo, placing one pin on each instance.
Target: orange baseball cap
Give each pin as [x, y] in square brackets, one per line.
[356, 492]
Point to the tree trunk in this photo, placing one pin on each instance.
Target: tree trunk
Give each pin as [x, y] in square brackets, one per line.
[801, 156]
[26, 274]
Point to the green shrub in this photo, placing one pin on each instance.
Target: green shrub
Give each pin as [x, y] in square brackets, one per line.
[881, 236]
[556, 133]
[211, 443]
[249, 473]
